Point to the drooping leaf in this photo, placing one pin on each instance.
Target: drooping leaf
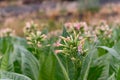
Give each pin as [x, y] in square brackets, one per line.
[113, 62]
[4, 75]
[47, 67]
[112, 51]
[97, 68]
[63, 68]
[19, 59]
[112, 77]
[86, 65]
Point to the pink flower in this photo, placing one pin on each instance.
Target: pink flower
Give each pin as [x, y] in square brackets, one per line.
[44, 36]
[64, 38]
[57, 44]
[84, 24]
[28, 25]
[68, 25]
[68, 38]
[77, 26]
[58, 51]
[80, 37]
[80, 48]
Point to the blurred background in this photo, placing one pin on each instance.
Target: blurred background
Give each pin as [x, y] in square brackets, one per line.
[51, 14]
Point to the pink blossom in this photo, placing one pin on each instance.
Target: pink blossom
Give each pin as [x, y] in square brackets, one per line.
[84, 24]
[68, 25]
[77, 26]
[28, 25]
[57, 44]
[58, 51]
[80, 37]
[64, 38]
[44, 36]
[68, 38]
[80, 48]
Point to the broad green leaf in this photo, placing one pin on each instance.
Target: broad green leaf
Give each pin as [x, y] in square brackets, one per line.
[63, 68]
[19, 59]
[86, 65]
[7, 62]
[69, 66]
[113, 62]
[47, 67]
[112, 51]
[112, 77]
[4, 75]
[50, 68]
[97, 68]
[29, 64]
[118, 74]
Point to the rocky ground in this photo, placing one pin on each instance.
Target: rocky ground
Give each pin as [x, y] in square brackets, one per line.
[51, 8]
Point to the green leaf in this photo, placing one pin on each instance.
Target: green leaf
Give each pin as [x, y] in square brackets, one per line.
[112, 51]
[29, 64]
[86, 65]
[18, 59]
[113, 62]
[118, 74]
[47, 67]
[63, 68]
[97, 68]
[112, 77]
[4, 75]
[65, 33]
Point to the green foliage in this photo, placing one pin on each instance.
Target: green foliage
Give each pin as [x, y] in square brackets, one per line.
[86, 66]
[18, 59]
[100, 62]
[4, 75]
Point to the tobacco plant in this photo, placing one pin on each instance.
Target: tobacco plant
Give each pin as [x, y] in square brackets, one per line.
[81, 52]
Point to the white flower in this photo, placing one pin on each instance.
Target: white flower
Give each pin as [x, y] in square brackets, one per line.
[7, 32]
[38, 33]
[44, 36]
[28, 25]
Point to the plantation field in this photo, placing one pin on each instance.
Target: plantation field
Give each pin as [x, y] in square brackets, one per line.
[79, 52]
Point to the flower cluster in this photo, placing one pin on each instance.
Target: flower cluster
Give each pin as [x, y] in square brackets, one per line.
[6, 32]
[80, 28]
[71, 46]
[93, 32]
[76, 26]
[33, 36]
[78, 33]
[103, 29]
